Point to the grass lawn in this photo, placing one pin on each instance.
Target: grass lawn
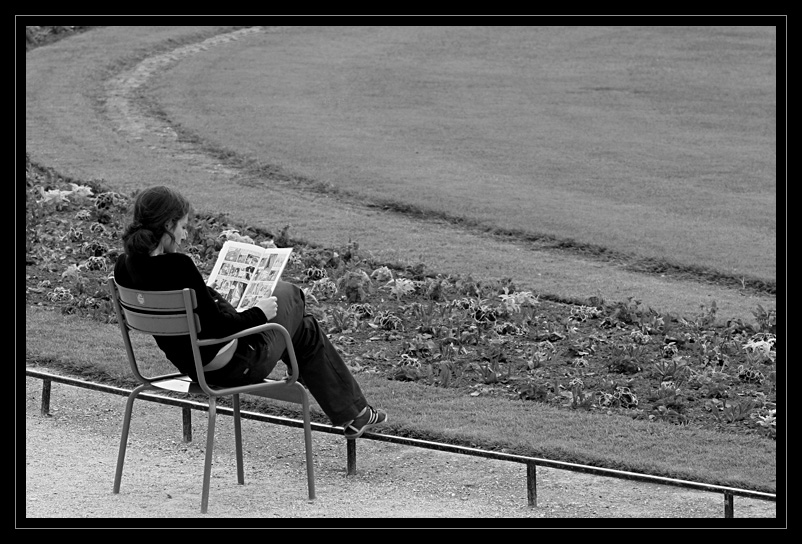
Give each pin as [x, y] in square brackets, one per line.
[655, 142]
[71, 127]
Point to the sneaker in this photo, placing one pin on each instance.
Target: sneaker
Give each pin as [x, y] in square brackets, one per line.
[367, 419]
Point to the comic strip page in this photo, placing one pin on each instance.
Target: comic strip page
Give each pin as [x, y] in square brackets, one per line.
[244, 273]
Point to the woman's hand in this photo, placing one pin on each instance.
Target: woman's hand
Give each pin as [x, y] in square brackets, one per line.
[269, 306]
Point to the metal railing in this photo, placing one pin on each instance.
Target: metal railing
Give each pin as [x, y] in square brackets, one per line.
[531, 462]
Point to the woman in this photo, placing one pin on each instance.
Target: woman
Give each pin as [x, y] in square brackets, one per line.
[152, 262]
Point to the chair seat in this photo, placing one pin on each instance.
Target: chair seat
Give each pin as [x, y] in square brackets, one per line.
[180, 384]
[185, 384]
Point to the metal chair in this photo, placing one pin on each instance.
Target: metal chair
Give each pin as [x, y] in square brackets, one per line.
[173, 313]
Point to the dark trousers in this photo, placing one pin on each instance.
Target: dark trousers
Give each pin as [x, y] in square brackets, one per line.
[321, 368]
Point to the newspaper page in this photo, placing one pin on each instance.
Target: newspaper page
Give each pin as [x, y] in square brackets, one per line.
[244, 273]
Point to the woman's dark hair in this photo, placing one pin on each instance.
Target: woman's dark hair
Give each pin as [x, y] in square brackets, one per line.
[153, 210]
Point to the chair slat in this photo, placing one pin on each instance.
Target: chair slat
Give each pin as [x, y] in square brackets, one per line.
[159, 325]
[154, 300]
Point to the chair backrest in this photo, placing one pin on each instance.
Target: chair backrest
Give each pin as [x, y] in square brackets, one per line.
[157, 313]
[162, 313]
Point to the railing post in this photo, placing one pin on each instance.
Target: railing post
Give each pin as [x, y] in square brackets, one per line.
[45, 408]
[729, 510]
[186, 413]
[531, 483]
[350, 449]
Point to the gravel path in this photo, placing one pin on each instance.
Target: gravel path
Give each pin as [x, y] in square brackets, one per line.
[71, 455]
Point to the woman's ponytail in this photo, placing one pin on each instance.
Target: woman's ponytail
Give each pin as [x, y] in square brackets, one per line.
[138, 240]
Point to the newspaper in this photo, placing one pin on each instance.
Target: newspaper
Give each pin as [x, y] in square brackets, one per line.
[244, 273]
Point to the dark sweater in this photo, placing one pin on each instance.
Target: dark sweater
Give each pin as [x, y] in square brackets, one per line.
[172, 271]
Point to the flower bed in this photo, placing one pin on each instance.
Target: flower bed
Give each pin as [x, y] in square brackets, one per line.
[408, 323]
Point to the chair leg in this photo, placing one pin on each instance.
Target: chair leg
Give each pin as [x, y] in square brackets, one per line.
[310, 467]
[238, 440]
[207, 465]
[129, 405]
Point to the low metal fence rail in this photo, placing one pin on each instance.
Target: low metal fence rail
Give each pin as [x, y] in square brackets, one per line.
[531, 463]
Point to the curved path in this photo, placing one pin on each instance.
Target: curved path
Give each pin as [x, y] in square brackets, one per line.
[86, 118]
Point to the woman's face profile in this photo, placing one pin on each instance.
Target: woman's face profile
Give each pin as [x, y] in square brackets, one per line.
[179, 232]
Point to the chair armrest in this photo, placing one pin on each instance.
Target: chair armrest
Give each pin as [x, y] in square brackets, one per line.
[292, 363]
[240, 334]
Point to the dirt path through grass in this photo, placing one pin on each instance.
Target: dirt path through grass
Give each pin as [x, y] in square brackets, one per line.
[85, 118]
